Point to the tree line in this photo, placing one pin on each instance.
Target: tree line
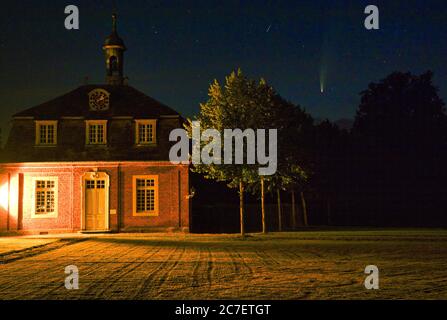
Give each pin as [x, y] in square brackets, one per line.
[388, 170]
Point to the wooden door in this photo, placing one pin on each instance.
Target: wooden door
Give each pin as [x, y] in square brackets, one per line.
[95, 205]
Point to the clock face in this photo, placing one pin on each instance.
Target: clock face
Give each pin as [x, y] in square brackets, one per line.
[99, 100]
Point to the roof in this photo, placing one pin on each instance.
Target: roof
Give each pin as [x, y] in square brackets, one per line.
[114, 40]
[125, 101]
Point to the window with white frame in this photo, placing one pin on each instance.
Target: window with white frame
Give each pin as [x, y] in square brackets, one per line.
[96, 132]
[46, 133]
[145, 195]
[45, 194]
[146, 132]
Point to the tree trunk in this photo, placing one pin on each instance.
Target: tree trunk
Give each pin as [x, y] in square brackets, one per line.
[241, 207]
[303, 203]
[293, 210]
[264, 227]
[278, 192]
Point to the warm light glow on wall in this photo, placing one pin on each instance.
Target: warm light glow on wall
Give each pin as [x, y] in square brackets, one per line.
[4, 194]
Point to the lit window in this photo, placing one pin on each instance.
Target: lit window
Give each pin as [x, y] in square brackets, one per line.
[96, 132]
[45, 191]
[145, 191]
[46, 132]
[145, 132]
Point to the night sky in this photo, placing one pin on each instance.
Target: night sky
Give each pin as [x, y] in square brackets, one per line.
[176, 48]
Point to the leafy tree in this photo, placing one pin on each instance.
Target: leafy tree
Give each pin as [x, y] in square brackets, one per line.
[244, 104]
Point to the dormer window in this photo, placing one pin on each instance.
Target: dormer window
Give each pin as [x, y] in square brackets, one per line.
[146, 132]
[46, 133]
[96, 132]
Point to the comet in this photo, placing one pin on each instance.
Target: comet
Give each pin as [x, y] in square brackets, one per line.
[324, 63]
[323, 74]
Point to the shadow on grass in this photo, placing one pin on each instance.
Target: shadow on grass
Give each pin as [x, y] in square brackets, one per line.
[278, 240]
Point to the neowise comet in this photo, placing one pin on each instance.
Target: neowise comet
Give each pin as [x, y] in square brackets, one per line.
[324, 62]
[323, 73]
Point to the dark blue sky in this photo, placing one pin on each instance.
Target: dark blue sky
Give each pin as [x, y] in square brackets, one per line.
[176, 48]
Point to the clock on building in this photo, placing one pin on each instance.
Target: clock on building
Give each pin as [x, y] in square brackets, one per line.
[99, 100]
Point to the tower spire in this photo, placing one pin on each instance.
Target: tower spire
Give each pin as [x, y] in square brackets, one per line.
[114, 22]
[114, 55]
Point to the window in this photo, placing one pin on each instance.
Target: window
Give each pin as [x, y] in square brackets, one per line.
[146, 132]
[96, 132]
[45, 193]
[46, 133]
[95, 184]
[113, 65]
[145, 195]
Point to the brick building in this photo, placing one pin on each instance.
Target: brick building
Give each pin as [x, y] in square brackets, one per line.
[94, 160]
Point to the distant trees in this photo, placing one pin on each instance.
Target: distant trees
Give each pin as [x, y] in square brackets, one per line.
[295, 128]
[401, 112]
[331, 151]
[389, 169]
[400, 136]
[295, 163]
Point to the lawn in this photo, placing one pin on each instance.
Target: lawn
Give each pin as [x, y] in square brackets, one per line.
[9, 244]
[298, 265]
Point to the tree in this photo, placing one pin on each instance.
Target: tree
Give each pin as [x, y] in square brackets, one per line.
[400, 140]
[295, 128]
[296, 163]
[401, 110]
[243, 104]
[331, 149]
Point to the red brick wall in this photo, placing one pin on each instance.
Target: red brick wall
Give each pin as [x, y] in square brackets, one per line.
[4, 201]
[173, 190]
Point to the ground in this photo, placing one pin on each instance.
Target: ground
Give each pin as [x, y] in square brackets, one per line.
[299, 265]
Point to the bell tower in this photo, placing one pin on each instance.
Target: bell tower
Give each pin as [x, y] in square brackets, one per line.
[114, 49]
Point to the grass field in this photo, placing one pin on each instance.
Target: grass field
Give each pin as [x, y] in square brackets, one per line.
[299, 265]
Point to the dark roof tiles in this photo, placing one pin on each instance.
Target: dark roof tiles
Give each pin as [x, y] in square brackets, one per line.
[124, 101]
